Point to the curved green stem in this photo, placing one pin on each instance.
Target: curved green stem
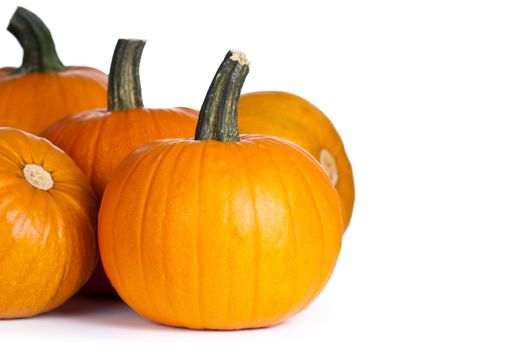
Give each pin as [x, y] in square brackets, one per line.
[124, 91]
[218, 115]
[39, 48]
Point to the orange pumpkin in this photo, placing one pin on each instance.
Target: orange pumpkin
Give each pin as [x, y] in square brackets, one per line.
[98, 140]
[47, 225]
[220, 232]
[43, 90]
[295, 119]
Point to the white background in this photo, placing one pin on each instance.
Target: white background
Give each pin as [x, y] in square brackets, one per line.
[429, 99]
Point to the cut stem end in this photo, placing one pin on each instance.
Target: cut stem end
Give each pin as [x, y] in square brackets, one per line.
[39, 177]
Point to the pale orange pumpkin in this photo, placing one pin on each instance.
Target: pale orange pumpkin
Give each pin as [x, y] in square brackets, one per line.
[43, 90]
[47, 225]
[295, 119]
[220, 232]
[98, 140]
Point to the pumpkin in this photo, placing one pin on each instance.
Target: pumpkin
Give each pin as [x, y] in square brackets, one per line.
[98, 140]
[47, 225]
[43, 90]
[295, 119]
[223, 231]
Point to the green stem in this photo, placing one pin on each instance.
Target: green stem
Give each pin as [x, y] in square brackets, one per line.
[39, 49]
[124, 91]
[218, 115]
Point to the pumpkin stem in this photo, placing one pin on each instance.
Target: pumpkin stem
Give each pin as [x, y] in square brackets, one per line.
[39, 48]
[124, 91]
[218, 115]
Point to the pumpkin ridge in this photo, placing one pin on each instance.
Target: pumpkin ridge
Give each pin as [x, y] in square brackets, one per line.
[7, 97]
[61, 93]
[167, 195]
[230, 257]
[91, 170]
[59, 132]
[257, 233]
[114, 248]
[293, 224]
[34, 257]
[198, 242]
[309, 190]
[65, 267]
[79, 241]
[140, 229]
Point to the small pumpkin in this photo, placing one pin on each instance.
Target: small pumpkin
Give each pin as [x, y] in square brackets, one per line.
[43, 90]
[295, 119]
[98, 140]
[48, 214]
[224, 231]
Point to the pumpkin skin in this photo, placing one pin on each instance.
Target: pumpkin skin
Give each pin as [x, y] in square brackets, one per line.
[34, 101]
[47, 234]
[295, 119]
[98, 140]
[226, 235]
[43, 90]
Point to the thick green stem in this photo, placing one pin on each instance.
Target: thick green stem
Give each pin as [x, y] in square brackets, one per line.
[218, 115]
[124, 91]
[39, 49]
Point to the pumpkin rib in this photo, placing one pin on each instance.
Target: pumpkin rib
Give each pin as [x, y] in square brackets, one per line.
[165, 231]
[17, 158]
[61, 93]
[198, 236]
[32, 203]
[91, 171]
[116, 268]
[140, 230]
[321, 284]
[68, 242]
[49, 305]
[67, 202]
[29, 268]
[257, 232]
[293, 225]
[4, 248]
[309, 190]
[65, 266]
[230, 239]
[7, 92]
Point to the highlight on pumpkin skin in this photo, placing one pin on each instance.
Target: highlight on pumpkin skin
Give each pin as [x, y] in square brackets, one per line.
[99, 139]
[222, 232]
[56, 91]
[47, 226]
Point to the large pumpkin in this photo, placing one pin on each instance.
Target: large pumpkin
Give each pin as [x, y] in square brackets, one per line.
[47, 225]
[43, 90]
[295, 119]
[220, 232]
[98, 140]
